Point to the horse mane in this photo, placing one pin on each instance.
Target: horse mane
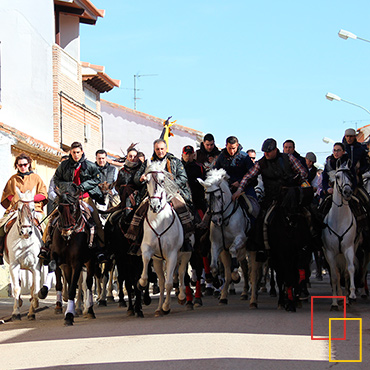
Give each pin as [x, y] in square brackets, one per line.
[68, 193]
[215, 176]
[170, 186]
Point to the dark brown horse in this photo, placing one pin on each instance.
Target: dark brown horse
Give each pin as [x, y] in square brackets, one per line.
[71, 251]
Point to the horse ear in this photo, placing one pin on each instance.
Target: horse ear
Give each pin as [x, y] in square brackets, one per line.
[338, 164]
[349, 163]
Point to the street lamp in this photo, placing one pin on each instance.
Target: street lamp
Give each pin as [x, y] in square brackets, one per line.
[349, 35]
[327, 140]
[332, 97]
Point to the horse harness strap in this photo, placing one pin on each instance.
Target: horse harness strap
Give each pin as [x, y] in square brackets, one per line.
[162, 233]
[340, 237]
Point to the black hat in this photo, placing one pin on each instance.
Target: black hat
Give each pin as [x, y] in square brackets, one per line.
[268, 145]
[188, 149]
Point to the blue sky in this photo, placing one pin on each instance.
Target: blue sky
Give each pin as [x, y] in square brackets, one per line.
[239, 67]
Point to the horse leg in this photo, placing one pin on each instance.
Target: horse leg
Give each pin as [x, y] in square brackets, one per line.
[110, 283]
[58, 288]
[254, 272]
[170, 268]
[81, 294]
[185, 257]
[226, 261]
[334, 277]
[350, 255]
[35, 288]
[272, 282]
[70, 311]
[245, 271]
[14, 271]
[128, 285]
[146, 256]
[158, 268]
[89, 302]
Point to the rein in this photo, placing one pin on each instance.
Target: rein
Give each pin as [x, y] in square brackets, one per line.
[162, 233]
[154, 176]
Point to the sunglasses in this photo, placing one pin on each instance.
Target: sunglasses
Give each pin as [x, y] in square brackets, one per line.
[23, 165]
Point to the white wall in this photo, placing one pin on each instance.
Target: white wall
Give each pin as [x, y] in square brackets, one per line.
[27, 36]
[70, 38]
[121, 128]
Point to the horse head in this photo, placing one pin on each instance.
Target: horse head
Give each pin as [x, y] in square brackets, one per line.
[26, 212]
[156, 181]
[218, 194]
[343, 179]
[68, 208]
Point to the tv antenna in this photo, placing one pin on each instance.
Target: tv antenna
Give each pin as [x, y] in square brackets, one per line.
[135, 89]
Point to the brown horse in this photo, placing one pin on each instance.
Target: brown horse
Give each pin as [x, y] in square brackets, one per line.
[71, 251]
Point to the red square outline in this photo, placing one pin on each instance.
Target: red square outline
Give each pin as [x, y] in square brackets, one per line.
[344, 316]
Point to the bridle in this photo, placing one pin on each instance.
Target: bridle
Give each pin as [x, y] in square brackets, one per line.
[157, 183]
[341, 188]
[25, 212]
[74, 225]
[212, 201]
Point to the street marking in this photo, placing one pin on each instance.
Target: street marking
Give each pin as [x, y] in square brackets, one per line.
[10, 334]
[162, 347]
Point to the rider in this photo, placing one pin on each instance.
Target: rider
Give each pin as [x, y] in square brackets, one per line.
[174, 166]
[208, 152]
[289, 148]
[278, 170]
[312, 170]
[86, 176]
[25, 179]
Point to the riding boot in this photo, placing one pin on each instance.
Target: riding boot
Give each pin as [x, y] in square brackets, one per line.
[45, 252]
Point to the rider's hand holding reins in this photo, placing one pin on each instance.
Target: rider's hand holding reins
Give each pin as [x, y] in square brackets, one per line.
[237, 194]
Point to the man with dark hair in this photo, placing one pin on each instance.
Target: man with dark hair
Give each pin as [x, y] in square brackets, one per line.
[236, 163]
[208, 152]
[289, 148]
[25, 179]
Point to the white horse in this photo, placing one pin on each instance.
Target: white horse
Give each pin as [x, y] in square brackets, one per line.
[227, 231]
[340, 234]
[23, 244]
[162, 240]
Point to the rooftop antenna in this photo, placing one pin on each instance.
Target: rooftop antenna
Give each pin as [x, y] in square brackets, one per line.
[135, 89]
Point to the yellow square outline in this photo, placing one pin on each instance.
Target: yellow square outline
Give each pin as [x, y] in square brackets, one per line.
[352, 319]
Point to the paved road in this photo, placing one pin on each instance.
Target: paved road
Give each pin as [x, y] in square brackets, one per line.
[210, 337]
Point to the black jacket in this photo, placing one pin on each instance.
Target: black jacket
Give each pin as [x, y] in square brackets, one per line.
[194, 171]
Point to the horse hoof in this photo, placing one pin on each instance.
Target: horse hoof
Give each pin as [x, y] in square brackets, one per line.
[290, 307]
[68, 320]
[58, 307]
[364, 296]
[189, 306]
[16, 317]
[334, 308]
[31, 317]
[102, 303]
[166, 312]
[198, 302]
[130, 313]
[78, 312]
[43, 292]
[140, 314]
[122, 303]
[147, 300]
[208, 291]
[110, 299]
[263, 289]
[90, 314]
[209, 278]
[158, 313]
[244, 297]
[232, 292]
[222, 302]
[280, 306]
[235, 277]
[253, 306]
[351, 300]
[181, 301]
[155, 289]
[273, 293]
[216, 293]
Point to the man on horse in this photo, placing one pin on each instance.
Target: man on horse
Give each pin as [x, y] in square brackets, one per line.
[85, 174]
[25, 179]
[174, 166]
[278, 170]
[289, 148]
[208, 152]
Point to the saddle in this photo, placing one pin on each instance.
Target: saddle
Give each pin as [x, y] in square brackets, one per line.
[249, 205]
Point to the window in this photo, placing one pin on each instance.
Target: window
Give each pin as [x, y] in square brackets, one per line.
[90, 99]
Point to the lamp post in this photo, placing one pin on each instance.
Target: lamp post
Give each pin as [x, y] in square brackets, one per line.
[332, 97]
[327, 140]
[349, 35]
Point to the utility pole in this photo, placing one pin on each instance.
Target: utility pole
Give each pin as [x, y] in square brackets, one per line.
[135, 89]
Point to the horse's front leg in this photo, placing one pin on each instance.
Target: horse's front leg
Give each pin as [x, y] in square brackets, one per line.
[146, 256]
[216, 249]
[158, 268]
[70, 311]
[36, 274]
[226, 261]
[238, 243]
[255, 267]
[184, 259]
[89, 301]
[14, 271]
[349, 255]
[245, 270]
[170, 268]
[334, 277]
